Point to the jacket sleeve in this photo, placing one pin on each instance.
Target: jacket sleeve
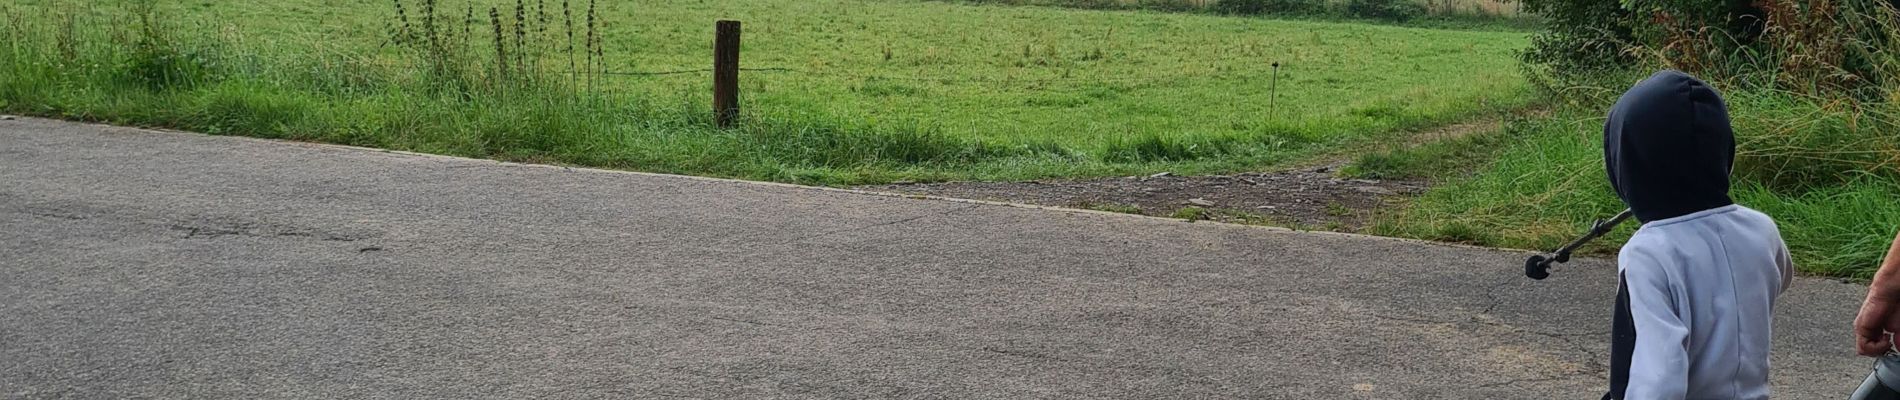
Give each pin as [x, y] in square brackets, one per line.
[1786, 264]
[1659, 367]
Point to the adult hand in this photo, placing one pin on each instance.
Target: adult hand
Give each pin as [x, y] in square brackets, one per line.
[1877, 317]
[1872, 326]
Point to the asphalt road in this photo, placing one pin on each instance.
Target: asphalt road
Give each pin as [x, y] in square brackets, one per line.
[143, 264]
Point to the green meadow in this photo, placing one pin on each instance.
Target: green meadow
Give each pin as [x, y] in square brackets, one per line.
[835, 91]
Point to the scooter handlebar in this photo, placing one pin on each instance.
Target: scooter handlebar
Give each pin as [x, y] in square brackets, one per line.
[1538, 266]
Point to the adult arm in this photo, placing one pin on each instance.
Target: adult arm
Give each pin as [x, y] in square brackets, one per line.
[1877, 317]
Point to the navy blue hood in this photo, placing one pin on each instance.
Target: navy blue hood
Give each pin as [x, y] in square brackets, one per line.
[1668, 147]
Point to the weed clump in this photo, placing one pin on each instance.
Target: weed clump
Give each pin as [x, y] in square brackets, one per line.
[158, 62]
[1112, 207]
[1191, 214]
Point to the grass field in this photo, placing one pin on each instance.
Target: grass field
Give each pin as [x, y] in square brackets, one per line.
[854, 91]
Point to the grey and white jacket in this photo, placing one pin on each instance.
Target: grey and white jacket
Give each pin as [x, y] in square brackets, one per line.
[1695, 303]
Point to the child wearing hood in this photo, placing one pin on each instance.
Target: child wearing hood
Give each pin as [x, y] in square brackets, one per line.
[1698, 281]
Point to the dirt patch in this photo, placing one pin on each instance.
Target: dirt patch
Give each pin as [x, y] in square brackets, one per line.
[1310, 198]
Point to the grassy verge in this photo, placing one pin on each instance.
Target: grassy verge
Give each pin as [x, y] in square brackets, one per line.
[871, 91]
[1816, 168]
[1435, 158]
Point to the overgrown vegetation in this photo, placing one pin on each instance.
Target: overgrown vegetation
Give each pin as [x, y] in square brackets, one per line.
[1809, 87]
[1547, 185]
[843, 91]
[1809, 47]
[1431, 12]
[1191, 214]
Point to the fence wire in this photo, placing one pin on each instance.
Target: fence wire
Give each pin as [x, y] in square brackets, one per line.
[946, 80]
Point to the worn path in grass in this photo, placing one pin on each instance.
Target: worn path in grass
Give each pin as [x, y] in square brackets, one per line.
[136, 263]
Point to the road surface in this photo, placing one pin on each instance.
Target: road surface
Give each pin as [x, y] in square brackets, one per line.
[137, 263]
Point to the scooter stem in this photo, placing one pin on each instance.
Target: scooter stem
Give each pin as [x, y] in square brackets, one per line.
[1538, 266]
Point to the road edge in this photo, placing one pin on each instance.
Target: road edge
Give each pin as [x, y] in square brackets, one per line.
[152, 130]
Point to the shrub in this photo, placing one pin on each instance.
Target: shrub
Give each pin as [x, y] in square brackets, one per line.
[1263, 7]
[1805, 46]
[1389, 10]
[1093, 4]
[1580, 36]
[1594, 34]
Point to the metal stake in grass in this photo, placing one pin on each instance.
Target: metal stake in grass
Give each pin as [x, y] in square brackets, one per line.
[1273, 89]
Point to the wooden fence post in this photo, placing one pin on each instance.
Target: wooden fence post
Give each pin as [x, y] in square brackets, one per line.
[726, 73]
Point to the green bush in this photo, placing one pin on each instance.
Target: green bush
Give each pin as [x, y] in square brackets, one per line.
[1389, 10]
[1738, 20]
[1266, 7]
[1164, 5]
[1822, 47]
[1579, 36]
[1594, 34]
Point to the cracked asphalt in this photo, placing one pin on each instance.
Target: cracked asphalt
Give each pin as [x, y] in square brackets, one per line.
[144, 264]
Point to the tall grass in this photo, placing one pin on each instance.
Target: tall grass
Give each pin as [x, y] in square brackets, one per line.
[1817, 125]
[1827, 176]
[438, 95]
